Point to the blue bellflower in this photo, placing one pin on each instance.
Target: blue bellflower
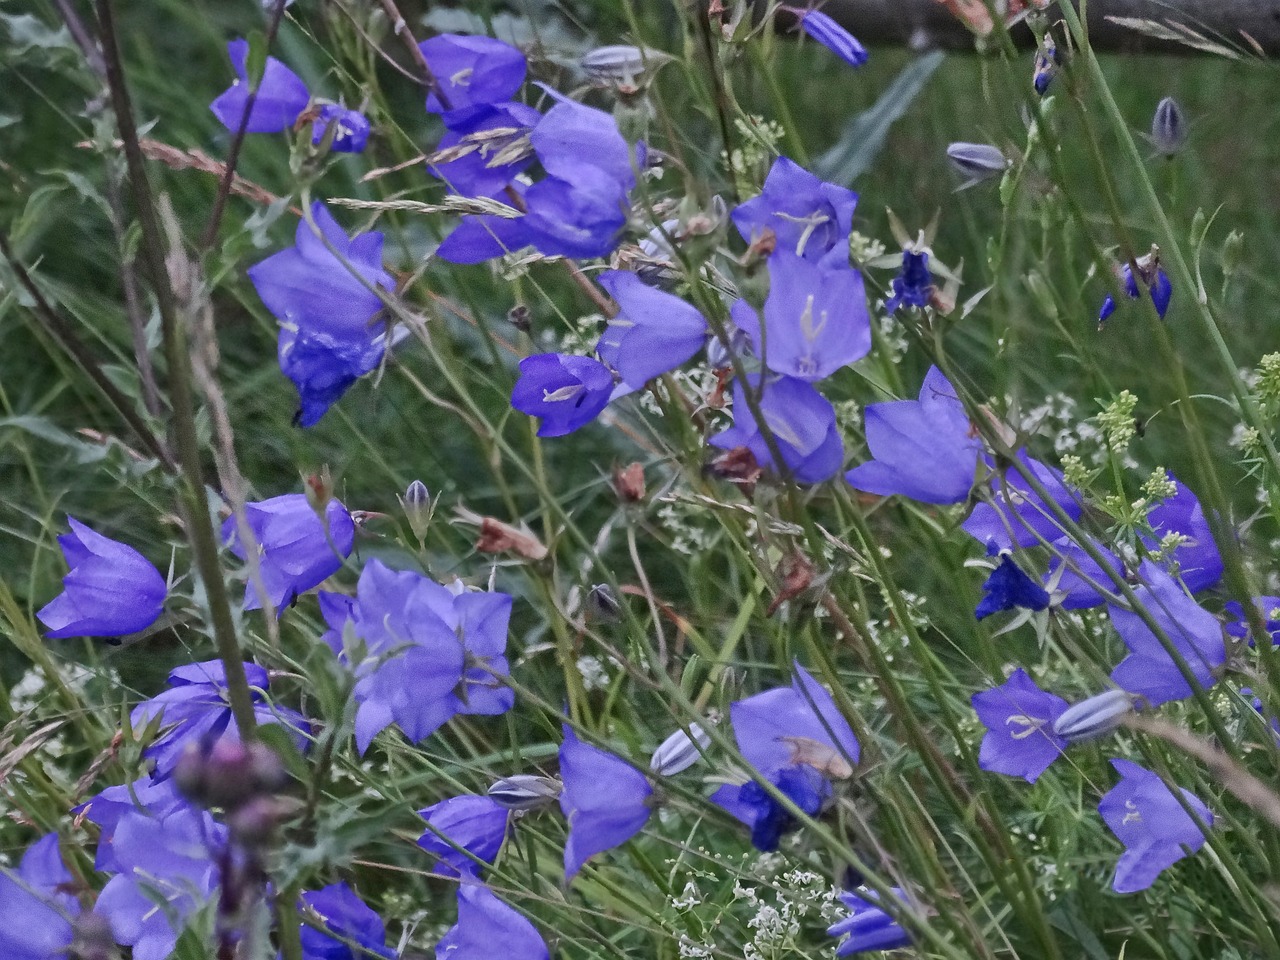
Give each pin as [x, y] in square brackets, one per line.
[484, 922]
[1238, 625]
[156, 798]
[565, 391]
[1198, 563]
[1016, 514]
[359, 931]
[815, 318]
[281, 95]
[806, 216]
[1009, 587]
[1019, 718]
[1161, 293]
[1079, 573]
[196, 709]
[924, 449]
[913, 285]
[652, 333]
[605, 799]
[475, 173]
[794, 738]
[1196, 634]
[329, 337]
[473, 73]
[169, 861]
[111, 590]
[296, 550]
[803, 424]
[1152, 824]
[834, 37]
[868, 927]
[477, 824]
[35, 912]
[350, 129]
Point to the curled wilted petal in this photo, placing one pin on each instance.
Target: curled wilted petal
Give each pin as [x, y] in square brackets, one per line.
[499, 537]
[1168, 127]
[524, 791]
[977, 161]
[1095, 717]
[680, 751]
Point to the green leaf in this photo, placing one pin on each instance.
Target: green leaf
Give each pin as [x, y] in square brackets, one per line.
[864, 136]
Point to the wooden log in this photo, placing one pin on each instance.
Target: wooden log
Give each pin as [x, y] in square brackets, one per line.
[1251, 26]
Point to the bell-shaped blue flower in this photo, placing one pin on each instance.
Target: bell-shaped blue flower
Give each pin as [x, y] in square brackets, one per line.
[489, 137]
[1009, 587]
[834, 37]
[1238, 625]
[327, 310]
[195, 709]
[1198, 563]
[1019, 718]
[913, 285]
[1195, 633]
[564, 390]
[1155, 828]
[477, 824]
[156, 798]
[815, 318]
[924, 449]
[111, 590]
[605, 799]
[1079, 574]
[805, 215]
[36, 912]
[281, 95]
[803, 424]
[653, 331]
[358, 931]
[868, 927]
[473, 73]
[296, 550]
[484, 921]
[350, 129]
[1161, 292]
[1016, 514]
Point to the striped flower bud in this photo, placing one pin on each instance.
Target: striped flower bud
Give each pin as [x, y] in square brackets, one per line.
[977, 162]
[524, 791]
[623, 67]
[1095, 717]
[1168, 127]
[680, 751]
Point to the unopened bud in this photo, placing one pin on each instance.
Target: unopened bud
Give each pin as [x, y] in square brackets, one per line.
[1046, 67]
[520, 317]
[228, 773]
[318, 487]
[680, 751]
[976, 162]
[1168, 127]
[254, 824]
[417, 507]
[497, 536]
[625, 68]
[1232, 248]
[628, 482]
[602, 604]
[1095, 717]
[525, 791]
[720, 357]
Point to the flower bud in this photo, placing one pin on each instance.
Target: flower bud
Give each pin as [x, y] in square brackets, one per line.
[628, 482]
[253, 824]
[227, 774]
[977, 162]
[318, 487]
[680, 751]
[1046, 67]
[416, 503]
[1168, 127]
[524, 791]
[520, 317]
[602, 604]
[1095, 717]
[1232, 248]
[718, 355]
[623, 67]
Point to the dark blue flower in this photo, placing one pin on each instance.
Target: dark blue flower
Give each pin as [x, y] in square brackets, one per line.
[1019, 718]
[605, 799]
[1238, 625]
[296, 550]
[1196, 634]
[913, 285]
[168, 869]
[834, 37]
[351, 129]
[924, 449]
[281, 95]
[565, 391]
[472, 72]
[1016, 514]
[484, 923]
[490, 136]
[1078, 573]
[1197, 561]
[196, 709]
[359, 927]
[806, 216]
[653, 331]
[156, 798]
[1161, 292]
[1008, 587]
[1152, 824]
[768, 819]
[869, 927]
[477, 824]
[803, 424]
[35, 911]
[815, 318]
[327, 310]
[1046, 65]
[111, 590]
